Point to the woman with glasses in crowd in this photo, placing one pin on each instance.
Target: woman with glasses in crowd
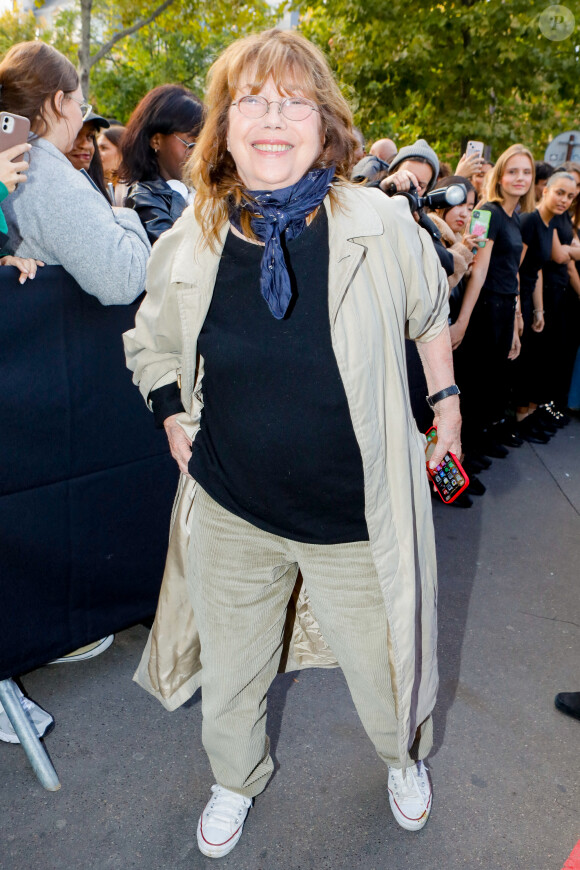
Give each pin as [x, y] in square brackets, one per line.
[159, 137]
[57, 216]
[272, 336]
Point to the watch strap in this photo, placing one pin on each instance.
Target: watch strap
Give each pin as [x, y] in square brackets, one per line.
[453, 390]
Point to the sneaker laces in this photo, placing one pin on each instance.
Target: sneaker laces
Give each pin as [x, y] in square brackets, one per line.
[224, 805]
[409, 786]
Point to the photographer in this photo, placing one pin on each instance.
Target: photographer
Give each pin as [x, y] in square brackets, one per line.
[415, 170]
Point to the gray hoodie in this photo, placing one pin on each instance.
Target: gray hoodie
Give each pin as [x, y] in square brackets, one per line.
[58, 217]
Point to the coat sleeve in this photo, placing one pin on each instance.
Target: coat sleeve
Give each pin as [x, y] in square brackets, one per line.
[153, 348]
[425, 281]
[106, 252]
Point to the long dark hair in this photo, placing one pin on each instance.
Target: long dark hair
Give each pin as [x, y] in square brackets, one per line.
[166, 109]
[96, 170]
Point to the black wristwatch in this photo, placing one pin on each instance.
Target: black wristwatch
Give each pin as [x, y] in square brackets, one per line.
[453, 390]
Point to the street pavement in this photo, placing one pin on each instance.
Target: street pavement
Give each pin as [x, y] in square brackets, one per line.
[505, 763]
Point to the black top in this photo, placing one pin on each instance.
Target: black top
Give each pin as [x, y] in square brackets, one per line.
[556, 274]
[538, 237]
[276, 445]
[157, 205]
[505, 253]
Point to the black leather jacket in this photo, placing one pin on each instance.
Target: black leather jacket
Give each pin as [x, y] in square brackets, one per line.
[157, 205]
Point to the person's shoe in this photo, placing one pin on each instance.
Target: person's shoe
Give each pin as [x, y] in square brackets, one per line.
[532, 434]
[543, 422]
[477, 462]
[221, 823]
[569, 703]
[550, 412]
[476, 487]
[411, 796]
[86, 652]
[490, 446]
[42, 721]
[505, 433]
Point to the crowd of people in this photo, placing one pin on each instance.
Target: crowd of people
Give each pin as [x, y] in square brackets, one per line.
[281, 190]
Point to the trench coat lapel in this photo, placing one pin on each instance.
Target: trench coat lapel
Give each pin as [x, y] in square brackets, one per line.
[344, 228]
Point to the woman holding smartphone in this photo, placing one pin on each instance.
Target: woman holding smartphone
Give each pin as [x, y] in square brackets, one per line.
[11, 174]
[487, 328]
[58, 217]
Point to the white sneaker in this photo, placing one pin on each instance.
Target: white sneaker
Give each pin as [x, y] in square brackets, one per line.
[41, 720]
[221, 823]
[410, 797]
[86, 652]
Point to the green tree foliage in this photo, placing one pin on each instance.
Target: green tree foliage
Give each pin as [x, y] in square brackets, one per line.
[16, 27]
[451, 70]
[179, 46]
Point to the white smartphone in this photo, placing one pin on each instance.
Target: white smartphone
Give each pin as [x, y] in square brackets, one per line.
[474, 147]
[14, 130]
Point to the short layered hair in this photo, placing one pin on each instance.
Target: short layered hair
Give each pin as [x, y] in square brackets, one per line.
[296, 66]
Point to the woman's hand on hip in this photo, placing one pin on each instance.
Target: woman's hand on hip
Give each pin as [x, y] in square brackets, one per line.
[456, 333]
[179, 444]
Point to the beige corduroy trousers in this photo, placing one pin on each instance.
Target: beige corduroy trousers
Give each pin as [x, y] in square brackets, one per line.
[240, 580]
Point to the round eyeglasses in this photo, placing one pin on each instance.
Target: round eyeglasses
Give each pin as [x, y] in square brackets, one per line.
[86, 108]
[188, 145]
[293, 108]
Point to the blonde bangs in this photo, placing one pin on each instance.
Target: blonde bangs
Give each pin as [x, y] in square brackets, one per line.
[493, 189]
[296, 66]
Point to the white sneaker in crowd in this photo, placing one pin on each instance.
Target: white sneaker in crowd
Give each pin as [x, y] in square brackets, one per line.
[86, 652]
[221, 823]
[411, 796]
[42, 721]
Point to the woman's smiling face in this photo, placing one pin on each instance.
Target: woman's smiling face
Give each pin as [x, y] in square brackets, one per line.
[272, 152]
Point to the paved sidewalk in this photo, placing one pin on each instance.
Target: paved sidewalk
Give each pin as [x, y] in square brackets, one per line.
[505, 766]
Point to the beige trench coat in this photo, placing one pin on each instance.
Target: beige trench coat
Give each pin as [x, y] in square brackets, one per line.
[385, 281]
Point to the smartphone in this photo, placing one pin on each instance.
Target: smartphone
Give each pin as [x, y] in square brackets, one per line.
[14, 130]
[474, 147]
[449, 476]
[479, 226]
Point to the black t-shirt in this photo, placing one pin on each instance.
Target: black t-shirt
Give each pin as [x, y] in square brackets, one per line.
[538, 237]
[276, 444]
[505, 253]
[556, 274]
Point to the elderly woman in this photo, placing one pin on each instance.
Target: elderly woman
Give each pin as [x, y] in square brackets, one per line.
[272, 337]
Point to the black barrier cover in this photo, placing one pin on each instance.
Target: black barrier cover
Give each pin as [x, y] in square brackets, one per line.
[86, 481]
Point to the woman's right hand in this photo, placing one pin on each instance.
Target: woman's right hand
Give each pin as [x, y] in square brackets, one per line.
[11, 173]
[469, 166]
[403, 179]
[471, 240]
[456, 333]
[179, 444]
[26, 266]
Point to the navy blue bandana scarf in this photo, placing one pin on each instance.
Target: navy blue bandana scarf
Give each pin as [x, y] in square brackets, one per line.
[273, 213]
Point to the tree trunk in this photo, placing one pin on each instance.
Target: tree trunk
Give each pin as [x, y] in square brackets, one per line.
[85, 47]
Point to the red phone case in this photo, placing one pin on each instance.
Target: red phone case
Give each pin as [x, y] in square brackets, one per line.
[449, 477]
